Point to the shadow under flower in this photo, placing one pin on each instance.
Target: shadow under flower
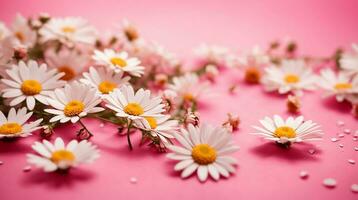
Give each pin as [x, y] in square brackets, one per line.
[332, 104]
[57, 179]
[297, 152]
[13, 145]
[121, 148]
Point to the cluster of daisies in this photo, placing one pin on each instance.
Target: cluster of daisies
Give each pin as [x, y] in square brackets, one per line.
[55, 71]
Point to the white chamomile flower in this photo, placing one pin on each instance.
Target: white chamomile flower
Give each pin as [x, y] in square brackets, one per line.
[104, 80]
[187, 87]
[30, 82]
[129, 31]
[15, 124]
[58, 156]
[156, 58]
[291, 76]
[160, 127]
[134, 106]
[204, 149]
[22, 31]
[339, 84]
[72, 102]
[119, 62]
[254, 58]
[289, 131]
[69, 30]
[71, 63]
[349, 62]
[212, 54]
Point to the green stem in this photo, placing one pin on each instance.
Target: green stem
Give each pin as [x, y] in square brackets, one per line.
[89, 132]
[105, 119]
[128, 136]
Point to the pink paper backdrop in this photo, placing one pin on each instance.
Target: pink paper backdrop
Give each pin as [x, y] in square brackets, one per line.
[264, 171]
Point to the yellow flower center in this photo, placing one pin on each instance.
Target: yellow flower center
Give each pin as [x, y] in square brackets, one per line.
[285, 131]
[133, 109]
[188, 97]
[106, 87]
[119, 62]
[68, 29]
[291, 78]
[343, 86]
[252, 75]
[131, 33]
[152, 122]
[69, 72]
[62, 156]
[203, 154]
[20, 36]
[31, 87]
[10, 128]
[73, 108]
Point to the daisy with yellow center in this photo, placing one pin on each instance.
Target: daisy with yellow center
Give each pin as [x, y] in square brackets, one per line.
[188, 88]
[104, 80]
[212, 54]
[129, 31]
[338, 84]
[289, 131]
[204, 149]
[292, 76]
[252, 62]
[30, 82]
[134, 105]
[58, 156]
[69, 62]
[119, 62]
[16, 124]
[73, 102]
[69, 30]
[161, 127]
[22, 32]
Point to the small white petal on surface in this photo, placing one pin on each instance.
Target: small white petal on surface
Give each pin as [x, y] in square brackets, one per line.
[354, 188]
[329, 182]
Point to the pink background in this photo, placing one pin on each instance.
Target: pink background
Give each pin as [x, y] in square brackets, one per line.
[264, 171]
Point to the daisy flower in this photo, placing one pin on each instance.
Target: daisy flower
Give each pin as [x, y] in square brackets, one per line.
[253, 63]
[339, 85]
[104, 80]
[156, 58]
[160, 127]
[130, 32]
[22, 31]
[206, 150]
[291, 76]
[30, 82]
[119, 62]
[15, 124]
[289, 131]
[349, 62]
[69, 62]
[58, 156]
[212, 54]
[69, 30]
[73, 102]
[134, 106]
[188, 87]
